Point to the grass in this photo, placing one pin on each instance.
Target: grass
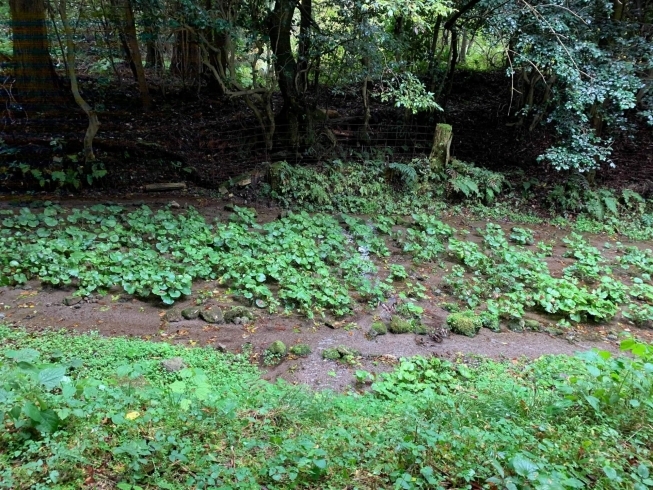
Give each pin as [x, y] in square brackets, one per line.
[430, 424]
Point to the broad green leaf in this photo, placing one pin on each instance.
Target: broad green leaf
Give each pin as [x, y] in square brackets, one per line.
[51, 377]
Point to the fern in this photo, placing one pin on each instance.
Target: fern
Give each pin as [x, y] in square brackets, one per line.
[406, 174]
[633, 200]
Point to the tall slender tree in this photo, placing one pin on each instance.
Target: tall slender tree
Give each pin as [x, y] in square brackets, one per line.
[37, 84]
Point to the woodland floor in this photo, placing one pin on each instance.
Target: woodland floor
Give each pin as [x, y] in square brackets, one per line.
[214, 140]
[38, 307]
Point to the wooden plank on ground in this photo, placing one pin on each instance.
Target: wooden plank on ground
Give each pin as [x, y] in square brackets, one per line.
[172, 186]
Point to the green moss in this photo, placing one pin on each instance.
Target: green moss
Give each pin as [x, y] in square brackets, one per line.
[420, 329]
[465, 323]
[490, 321]
[450, 307]
[331, 354]
[379, 328]
[277, 348]
[399, 325]
[301, 350]
[533, 325]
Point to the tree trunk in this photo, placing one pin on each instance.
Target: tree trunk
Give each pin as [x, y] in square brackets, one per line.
[93, 122]
[304, 44]
[37, 83]
[441, 147]
[293, 113]
[432, 50]
[135, 52]
[464, 44]
[186, 61]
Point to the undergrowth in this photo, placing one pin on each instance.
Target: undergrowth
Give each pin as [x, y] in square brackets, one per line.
[557, 422]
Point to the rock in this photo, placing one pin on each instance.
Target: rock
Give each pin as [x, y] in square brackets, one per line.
[490, 321]
[533, 325]
[466, 323]
[379, 328]
[190, 313]
[301, 350]
[2, 316]
[238, 311]
[516, 324]
[173, 316]
[214, 315]
[71, 300]
[346, 351]
[221, 348]
[238, 320]
[174, 204]
[330, 354]
[398, 325]
[223, 190]
[277, 348]
[612, 336]
[420, 329]
[229, 207]
[173, 364]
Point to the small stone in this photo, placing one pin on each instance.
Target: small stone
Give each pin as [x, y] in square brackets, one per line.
[2, 316]
[612, 336]
[347, 351]
[173, 364]
[77, 307]
[237, 321]
[190, 313]
[223, 190]
[229, 207]
[533, 325]
[301, 350]
[72, 300]
[214, 315]
[516, 324]
[420, 329]
[399, 325]
[173, 316]
[238, 311]
[174, 204]
[47, 305]
[331, 354]
[379, 328]
[221, 348]
[277, 347]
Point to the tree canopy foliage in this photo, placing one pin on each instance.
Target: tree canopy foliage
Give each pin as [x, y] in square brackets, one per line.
[584, 67]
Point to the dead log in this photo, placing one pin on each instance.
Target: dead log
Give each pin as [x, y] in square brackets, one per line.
[171, 186]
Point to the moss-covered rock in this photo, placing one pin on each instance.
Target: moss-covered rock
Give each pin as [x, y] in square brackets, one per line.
[379, 328]
[490, 321]
[237, 312]
[398, 325]
[277, 348]
[330, 354]
[516, 324]
[301, 350]
[532, 325]
[190, 313]
[420, 329]
[466, 323]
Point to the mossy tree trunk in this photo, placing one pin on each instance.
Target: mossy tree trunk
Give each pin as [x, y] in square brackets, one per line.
[441, 147]
[294, 117]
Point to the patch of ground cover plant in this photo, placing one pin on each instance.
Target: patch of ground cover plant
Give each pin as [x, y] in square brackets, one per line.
[307, 260]
[375, 186]
[556, 422]
[315, 263]
[511, 279]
